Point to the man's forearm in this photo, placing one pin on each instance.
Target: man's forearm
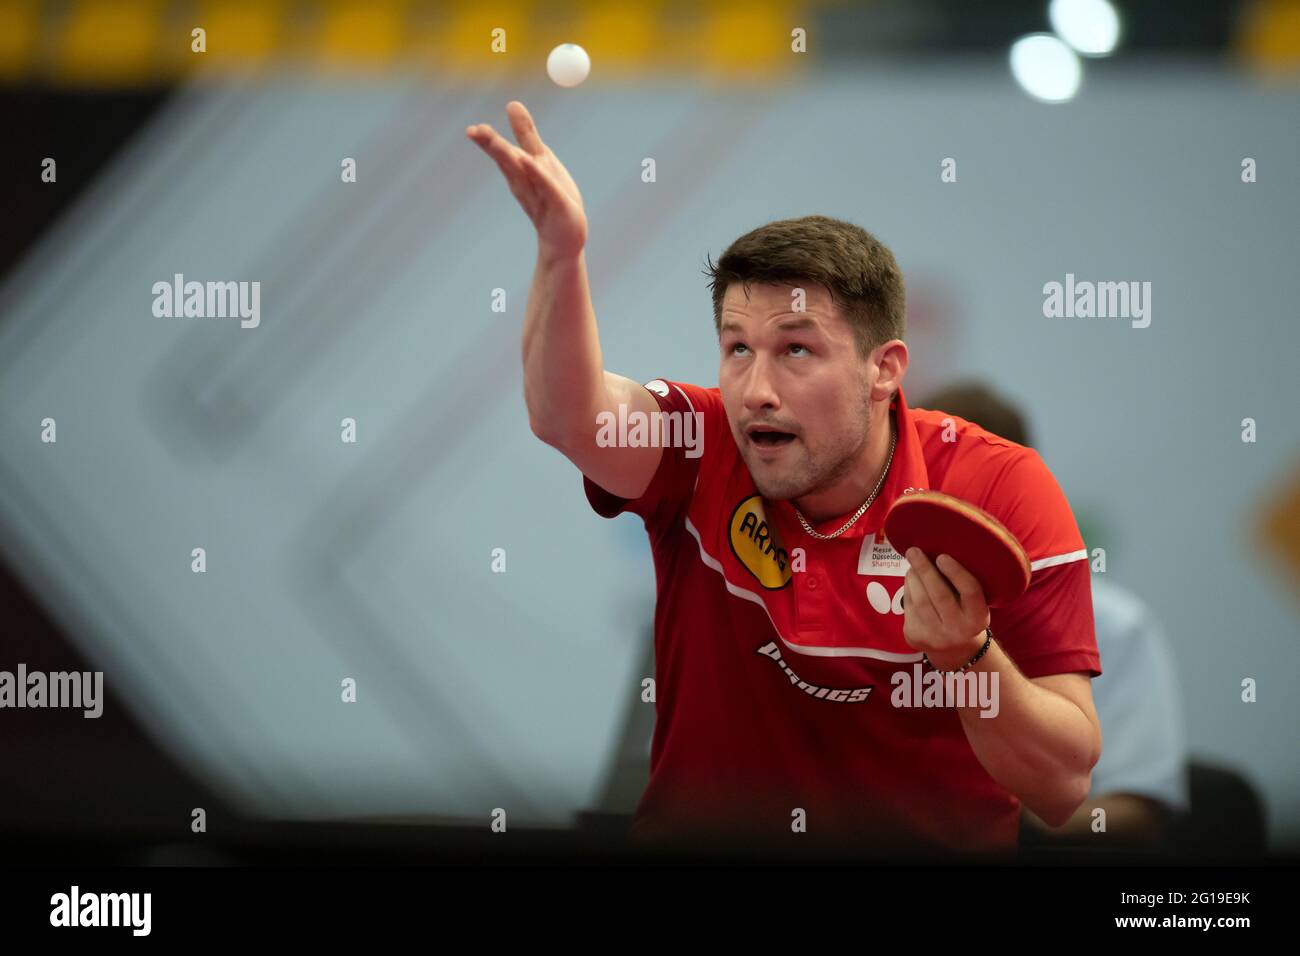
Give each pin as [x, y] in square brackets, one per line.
[1040, 746]
[563, 367]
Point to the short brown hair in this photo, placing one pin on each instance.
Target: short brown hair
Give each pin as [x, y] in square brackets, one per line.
[856, 268]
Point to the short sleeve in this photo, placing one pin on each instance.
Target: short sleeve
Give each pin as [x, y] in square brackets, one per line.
[686, 448]
[1049, 629]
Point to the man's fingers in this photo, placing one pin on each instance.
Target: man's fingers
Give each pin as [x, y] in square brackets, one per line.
[543, 188]
[916, 598]
[967, 585]
[493, 143]
[507, 156]
[940, 593]
[526, 135]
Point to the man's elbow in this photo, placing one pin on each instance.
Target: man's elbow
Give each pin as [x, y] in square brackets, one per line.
[562, 430]
[539, 430]
[546, 431]
[1070, 796]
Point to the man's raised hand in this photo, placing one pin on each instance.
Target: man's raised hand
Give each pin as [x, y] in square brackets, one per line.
[539, 182]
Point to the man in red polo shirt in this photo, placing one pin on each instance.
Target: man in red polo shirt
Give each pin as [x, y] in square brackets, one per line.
[796, 651]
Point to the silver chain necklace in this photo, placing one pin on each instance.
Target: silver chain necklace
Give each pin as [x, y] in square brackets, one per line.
[893, 438]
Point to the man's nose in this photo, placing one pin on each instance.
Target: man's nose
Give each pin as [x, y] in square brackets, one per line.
[759, 391]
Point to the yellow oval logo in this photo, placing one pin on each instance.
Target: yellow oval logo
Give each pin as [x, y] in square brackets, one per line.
[757, 546]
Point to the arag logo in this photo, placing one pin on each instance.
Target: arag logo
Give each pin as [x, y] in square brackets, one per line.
[755, 544]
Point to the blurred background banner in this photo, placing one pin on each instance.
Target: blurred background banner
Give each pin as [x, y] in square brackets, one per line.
[316, 152]
[96, 43]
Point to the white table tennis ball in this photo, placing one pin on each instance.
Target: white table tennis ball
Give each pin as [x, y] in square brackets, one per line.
[568, 64]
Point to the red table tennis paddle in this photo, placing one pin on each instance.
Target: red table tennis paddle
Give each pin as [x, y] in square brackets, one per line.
[941, 524]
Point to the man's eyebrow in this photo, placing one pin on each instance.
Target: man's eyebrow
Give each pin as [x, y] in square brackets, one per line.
[785, 325]
[793, 325]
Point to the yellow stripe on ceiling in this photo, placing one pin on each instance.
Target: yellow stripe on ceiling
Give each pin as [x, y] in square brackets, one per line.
[112, 41]
[116, 41]
[244, 32]
[741, 39]
[20, 30]
[621, 38]
[462, 42]
[365, 33]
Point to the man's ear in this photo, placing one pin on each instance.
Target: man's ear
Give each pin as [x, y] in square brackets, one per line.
[890, 359]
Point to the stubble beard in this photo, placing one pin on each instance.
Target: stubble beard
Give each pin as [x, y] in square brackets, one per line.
[811, 474]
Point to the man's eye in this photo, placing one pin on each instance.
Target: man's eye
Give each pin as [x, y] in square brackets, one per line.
[798, 346]
[735, 349]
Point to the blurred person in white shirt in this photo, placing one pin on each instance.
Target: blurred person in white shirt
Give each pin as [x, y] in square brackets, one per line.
[1141, 779]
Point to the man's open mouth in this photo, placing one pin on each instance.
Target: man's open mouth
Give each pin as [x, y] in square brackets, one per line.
[769, 437]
